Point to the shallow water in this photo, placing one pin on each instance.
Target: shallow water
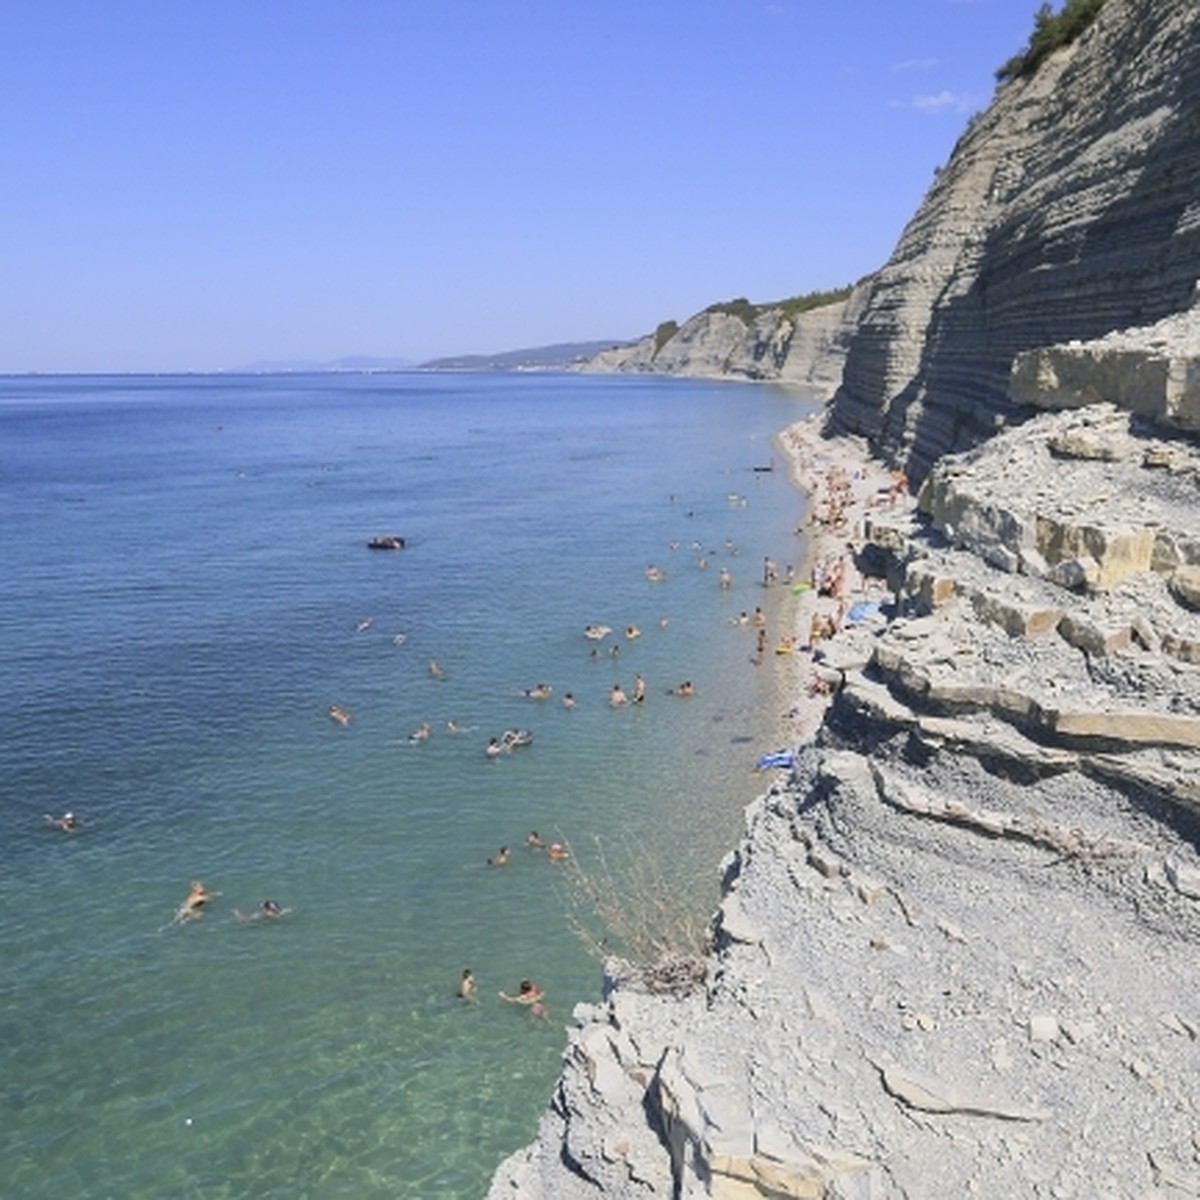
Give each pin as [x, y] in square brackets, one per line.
[185, 578]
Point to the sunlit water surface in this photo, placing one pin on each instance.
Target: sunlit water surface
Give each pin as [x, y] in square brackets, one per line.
[186, 591]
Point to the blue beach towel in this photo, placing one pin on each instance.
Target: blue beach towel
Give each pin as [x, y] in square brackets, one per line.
[781, 758]
[862, 610]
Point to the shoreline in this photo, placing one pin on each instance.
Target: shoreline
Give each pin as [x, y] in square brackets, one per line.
[841, 474]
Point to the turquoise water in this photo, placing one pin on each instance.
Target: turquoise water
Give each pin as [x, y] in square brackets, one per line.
[186, 590]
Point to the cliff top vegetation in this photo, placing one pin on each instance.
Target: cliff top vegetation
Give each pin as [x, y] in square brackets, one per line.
[1051, 31]
[791, 307]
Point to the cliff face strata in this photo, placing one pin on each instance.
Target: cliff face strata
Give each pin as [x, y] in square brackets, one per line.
[1069, 209]
[808, 348]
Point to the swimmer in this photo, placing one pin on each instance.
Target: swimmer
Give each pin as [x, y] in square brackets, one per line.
[528, 994]
[339, 715]
[639, 689]
[557, 852]
[68, 822]
[685, 689]
[540, 691]
[192, 908]
[632, 632]
[400, 639]
[364, 625]
[466, 985]
[596, 633]
[568, 701]
[615, 650]
[500, 859]
[534, 840]
[726, 578]
[617, 697]
[436, 670]
[495, 748]
[421, 733]
[454, 727]
[655, 574]
[268, 910]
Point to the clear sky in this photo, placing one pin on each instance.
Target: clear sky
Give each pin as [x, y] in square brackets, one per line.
[202, 184]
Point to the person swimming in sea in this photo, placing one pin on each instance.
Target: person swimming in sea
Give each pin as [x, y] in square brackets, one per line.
[466, 986]
[268, 910]
[500, 858]
[530, 995]
[68, 822]
[192, 908]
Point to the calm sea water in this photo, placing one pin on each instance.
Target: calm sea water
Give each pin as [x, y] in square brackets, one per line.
[186, 589]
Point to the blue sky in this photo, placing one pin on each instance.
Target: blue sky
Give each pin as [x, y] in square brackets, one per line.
[198, 185]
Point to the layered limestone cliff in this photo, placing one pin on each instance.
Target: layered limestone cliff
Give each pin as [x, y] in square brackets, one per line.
[957, 950]
[1069, 209]
[808, 348]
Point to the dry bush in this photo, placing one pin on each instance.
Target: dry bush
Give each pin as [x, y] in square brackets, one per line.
[630, 910]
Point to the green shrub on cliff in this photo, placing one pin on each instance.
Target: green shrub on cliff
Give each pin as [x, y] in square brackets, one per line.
[1051, 31]
[664, 333]
[792, 307]
[740, 308]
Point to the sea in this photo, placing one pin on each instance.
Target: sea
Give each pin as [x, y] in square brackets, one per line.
[187, 591]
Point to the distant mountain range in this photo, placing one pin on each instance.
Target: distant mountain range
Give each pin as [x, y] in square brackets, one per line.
[536, 358]
[353, 362]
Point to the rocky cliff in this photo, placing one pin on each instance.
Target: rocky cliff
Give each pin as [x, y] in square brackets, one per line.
[957, 951]
[1069, 209]
[808, 348]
